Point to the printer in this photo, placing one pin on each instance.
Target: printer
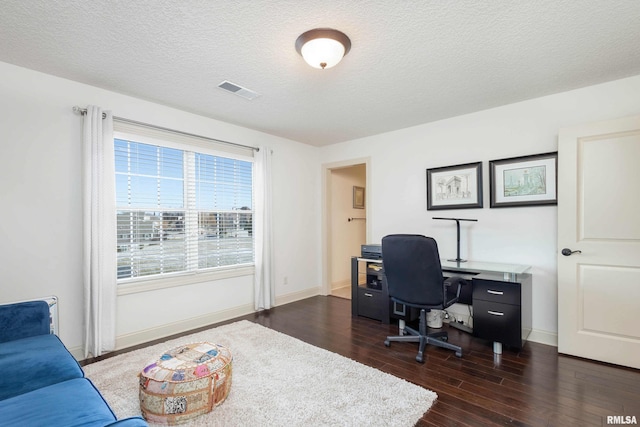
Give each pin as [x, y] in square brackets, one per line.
[371, 251]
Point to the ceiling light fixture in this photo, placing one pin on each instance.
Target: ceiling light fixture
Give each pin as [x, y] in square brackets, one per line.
[323, 47]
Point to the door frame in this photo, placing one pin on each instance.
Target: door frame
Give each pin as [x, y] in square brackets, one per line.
[325, 228]
[574, 337]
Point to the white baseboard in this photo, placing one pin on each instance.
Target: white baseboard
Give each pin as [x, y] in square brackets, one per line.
[141, 337]
[341, 284]
[297, 296]
[77, 353]
[538, 336]
[543, 337]
[147, 335]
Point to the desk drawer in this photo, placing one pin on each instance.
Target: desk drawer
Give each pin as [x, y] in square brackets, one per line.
[370, 303]
[501, 292]
[497, 322]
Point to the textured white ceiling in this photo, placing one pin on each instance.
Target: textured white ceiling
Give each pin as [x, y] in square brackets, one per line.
[411, 62]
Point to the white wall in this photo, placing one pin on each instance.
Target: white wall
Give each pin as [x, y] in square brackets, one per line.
[41, 211]
[40, 202]
[525, 235]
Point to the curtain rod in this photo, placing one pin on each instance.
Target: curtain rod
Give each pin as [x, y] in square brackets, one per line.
[83, 111]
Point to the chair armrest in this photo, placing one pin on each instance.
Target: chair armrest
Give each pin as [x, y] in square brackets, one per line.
[24, 320]
[454, 283]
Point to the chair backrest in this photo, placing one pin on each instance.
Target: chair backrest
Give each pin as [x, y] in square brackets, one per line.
[412, 268]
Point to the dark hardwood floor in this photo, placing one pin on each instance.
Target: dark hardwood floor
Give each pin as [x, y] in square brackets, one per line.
[532, 387]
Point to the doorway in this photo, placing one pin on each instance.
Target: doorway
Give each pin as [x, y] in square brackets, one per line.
[345, 205]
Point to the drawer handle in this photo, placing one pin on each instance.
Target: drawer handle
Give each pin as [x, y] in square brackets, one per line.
[368, 295]
[495, 292]
[495, 313]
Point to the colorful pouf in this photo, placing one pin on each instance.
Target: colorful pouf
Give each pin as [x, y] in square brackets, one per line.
[185, 382]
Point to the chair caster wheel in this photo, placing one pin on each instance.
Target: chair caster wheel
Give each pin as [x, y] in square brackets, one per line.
[445, 339]
[458, 354]
[387, 343]
[419, 358]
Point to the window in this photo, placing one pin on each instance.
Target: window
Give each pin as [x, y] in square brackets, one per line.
[180, 210]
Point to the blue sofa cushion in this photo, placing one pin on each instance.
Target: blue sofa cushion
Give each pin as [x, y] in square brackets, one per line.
[22, 320]
[130, 422]
[35, 362]
[70, 403]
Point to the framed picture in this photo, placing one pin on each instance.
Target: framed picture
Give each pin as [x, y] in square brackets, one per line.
[455, 187]
[358, 197]
[524, 181]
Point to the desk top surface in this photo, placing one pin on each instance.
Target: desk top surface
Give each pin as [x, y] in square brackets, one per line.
[475, 266]
[484, 267]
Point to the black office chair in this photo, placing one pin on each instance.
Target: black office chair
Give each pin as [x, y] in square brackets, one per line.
[414, 278]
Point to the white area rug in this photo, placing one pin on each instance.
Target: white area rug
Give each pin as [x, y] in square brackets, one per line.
[277, 381]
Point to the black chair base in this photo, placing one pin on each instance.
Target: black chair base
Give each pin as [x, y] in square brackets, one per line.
[421, 336]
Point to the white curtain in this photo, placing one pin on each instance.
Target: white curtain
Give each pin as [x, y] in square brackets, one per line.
[99, 264]
[264, 294]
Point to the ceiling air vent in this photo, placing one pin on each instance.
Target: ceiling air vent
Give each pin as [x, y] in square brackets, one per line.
[238, 90]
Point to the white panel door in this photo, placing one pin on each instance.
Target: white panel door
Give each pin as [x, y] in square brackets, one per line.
[599, 215]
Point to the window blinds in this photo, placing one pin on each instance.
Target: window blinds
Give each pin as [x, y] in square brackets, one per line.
[180, 208]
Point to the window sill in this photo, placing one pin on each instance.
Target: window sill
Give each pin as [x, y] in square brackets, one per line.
[147, 285]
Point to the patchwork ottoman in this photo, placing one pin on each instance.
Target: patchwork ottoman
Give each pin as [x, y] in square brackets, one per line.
[185, 382]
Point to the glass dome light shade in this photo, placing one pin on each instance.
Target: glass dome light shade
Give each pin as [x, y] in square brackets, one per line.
[323, 47]
[322, 53]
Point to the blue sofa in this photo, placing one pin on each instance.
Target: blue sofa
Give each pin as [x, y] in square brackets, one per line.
[41, 383]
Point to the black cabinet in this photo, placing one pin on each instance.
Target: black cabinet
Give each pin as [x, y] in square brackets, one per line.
[370, 303]
[369, 296]
[375, 275]
[502, 310]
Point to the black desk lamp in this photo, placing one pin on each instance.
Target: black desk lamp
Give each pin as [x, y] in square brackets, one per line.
[457, 220]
